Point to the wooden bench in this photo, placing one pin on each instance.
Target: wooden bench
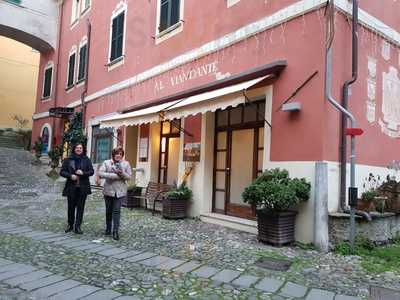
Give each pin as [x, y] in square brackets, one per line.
[155, 192]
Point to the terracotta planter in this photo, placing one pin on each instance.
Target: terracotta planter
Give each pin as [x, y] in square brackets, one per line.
[367, 206]
[131, 200]
[174, 208]
[276, 228]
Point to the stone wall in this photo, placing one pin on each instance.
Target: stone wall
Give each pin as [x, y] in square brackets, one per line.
[381, 229]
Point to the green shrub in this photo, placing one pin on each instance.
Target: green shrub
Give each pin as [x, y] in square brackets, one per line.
[181, 192]
[274, 191]
[369, 196]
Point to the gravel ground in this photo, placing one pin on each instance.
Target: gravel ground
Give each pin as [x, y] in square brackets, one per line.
[29, 197]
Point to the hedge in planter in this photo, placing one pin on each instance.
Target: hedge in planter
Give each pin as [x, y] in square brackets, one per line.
[175, 204]
[275, 195]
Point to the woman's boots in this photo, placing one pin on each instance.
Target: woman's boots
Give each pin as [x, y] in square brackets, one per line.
[115, 235]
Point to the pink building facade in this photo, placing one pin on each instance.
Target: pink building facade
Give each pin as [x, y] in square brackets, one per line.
[220, 72]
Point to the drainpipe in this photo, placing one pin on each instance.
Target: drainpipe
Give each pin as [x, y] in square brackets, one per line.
[61, 13]
[345, 113]
[84, 93]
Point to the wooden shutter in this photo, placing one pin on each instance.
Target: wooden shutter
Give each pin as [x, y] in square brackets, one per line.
[71, 70]
[82, 63]
[169, 13]
[47, 82]
[117, 38]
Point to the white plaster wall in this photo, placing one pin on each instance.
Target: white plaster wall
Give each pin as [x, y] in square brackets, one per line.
[36, 21]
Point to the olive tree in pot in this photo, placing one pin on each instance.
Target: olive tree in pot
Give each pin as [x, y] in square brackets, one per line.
[175, 203]
[276, 196]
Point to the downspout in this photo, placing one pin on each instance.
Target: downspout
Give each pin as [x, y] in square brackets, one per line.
[84, 93]
[346, 113]
[57, 66]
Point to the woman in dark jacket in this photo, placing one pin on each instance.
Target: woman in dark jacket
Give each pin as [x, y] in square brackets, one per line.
[77, 169]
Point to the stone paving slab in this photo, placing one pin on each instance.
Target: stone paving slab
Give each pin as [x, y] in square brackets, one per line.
[170, 264]
[36, 284]
[4, 262]
[19, 271]
[6, 226]
[56, 288]
[27, 277]
[35, 234]
[88, 246]
[10, 267]
[75, 293]
[140, 257]
[293, 290]
[76, 244]
[55, 239]
[66, 242]
[127, 254]
[226, 275]
[343, 297]
[154, 261]
[102, 295]
[188, 267]
[128, 298]
[98, 249]
[17, 230]
[112, 251]
[317, 294]
[245, 281]
[205, 272]
[379, 293]
[270, 285]
[47, 236]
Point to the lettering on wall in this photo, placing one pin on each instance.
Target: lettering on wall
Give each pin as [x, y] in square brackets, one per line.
[390, 124]
[371, 86]
[186, 75]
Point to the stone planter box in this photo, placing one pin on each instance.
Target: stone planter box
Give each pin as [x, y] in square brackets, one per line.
[276, 228]
[381, 229]
[174, 208]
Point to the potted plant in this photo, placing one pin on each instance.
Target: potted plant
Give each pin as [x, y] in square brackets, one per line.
[275, 196]
[55, 155]
[132, 199]
[367, 203]
[38, 148]
[175, 203]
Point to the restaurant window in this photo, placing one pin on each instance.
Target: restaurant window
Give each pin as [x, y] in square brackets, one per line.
[102, 142]
[169, 13]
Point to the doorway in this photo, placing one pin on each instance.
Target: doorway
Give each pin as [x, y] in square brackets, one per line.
[169, 152]
[238, 157]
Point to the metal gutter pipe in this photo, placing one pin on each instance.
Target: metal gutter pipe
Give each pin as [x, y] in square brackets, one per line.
[346, 113]
[84, 93]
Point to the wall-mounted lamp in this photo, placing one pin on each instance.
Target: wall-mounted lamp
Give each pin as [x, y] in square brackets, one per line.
[291, 107]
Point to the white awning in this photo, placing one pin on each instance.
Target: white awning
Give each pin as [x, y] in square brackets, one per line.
[201, 103]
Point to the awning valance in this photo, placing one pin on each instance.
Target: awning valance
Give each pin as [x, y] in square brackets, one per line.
[201, 103]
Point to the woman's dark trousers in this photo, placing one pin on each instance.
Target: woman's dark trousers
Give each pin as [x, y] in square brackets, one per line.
[76, 202]
[113, 213]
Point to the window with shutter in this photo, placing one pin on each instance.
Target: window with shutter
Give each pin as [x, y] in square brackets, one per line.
[169, 14]
[117, 36]
[82, 63]
[71, 70]
[47, 82]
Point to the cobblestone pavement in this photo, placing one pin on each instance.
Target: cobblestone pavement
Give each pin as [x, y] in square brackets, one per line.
[155, 258]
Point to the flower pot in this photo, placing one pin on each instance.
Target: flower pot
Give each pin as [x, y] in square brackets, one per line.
[367, 206]
[276, 228]
[174, 208]
[380, 204]
[131, 200]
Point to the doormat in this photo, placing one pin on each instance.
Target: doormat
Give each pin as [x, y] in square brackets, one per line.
[273, 264]
[378, 293]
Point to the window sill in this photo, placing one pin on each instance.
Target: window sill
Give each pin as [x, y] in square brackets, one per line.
[46, 99]
[230, 3]
[169, 32]
[69, 88]
[116, 63]
[80, 82]
[85, 11]
[74, 23]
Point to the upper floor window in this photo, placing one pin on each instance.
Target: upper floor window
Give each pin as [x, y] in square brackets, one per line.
[75, 11]
[169, 14]
[47, 81]
[117, 37]
[71, 70]
[85, 5]
[82, 62]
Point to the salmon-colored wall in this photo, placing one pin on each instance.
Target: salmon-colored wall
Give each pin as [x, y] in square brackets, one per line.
[385, 10]
[373, 147]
